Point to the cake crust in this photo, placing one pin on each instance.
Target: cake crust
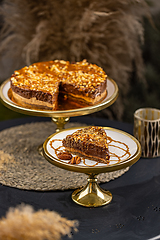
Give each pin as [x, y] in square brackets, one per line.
[43, 82]
[89, 142]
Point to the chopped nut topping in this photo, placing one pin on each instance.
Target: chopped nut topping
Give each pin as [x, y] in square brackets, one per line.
[47, 76]
[95, 133]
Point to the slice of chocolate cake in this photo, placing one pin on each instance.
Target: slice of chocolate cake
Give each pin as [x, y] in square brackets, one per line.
[89, 142]
[35, 87]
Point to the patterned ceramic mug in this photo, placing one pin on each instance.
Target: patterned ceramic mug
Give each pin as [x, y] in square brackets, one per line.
[147, 131]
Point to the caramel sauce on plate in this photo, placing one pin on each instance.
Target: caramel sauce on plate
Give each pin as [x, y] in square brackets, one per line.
[111, 143]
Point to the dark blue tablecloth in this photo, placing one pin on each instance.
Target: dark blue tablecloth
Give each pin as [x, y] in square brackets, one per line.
[134, 212]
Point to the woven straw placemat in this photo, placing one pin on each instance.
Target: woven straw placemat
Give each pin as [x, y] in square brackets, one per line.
[22, 166]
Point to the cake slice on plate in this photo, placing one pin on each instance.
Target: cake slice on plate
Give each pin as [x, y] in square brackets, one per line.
[88, 142]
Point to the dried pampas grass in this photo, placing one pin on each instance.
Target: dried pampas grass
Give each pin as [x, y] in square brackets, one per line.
[108, 33]
[23, 222]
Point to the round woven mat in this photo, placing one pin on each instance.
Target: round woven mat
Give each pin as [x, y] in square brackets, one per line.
[22, 166]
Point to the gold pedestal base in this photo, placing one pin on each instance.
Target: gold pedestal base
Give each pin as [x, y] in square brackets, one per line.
[60, 122]
[91, 195]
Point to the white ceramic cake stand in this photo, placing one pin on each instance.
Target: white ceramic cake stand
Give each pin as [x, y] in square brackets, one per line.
[92, 195]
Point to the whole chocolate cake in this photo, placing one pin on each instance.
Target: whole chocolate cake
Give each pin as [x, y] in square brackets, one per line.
[43, 84]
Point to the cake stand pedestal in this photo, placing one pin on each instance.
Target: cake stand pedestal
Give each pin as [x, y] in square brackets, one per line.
[60, 122]
[92, 195]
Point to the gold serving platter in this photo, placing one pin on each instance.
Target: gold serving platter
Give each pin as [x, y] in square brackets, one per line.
[60, 117]
[92, 195]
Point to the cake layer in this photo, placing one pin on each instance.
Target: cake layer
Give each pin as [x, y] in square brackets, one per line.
[89, 98]
[89, 142]
[32, 103]
[44, 81]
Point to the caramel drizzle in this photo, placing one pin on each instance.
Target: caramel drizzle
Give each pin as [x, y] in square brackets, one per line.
[84, 162]
[57, 150]
[124, 148]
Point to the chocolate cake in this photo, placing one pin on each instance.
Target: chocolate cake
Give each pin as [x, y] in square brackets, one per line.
[43, 84]
[89, 142]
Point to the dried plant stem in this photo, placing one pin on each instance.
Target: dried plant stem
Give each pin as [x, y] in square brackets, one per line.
[23, 222]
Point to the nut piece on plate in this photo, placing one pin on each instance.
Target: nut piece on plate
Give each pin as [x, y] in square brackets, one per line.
[64, 155]
[75, 160]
